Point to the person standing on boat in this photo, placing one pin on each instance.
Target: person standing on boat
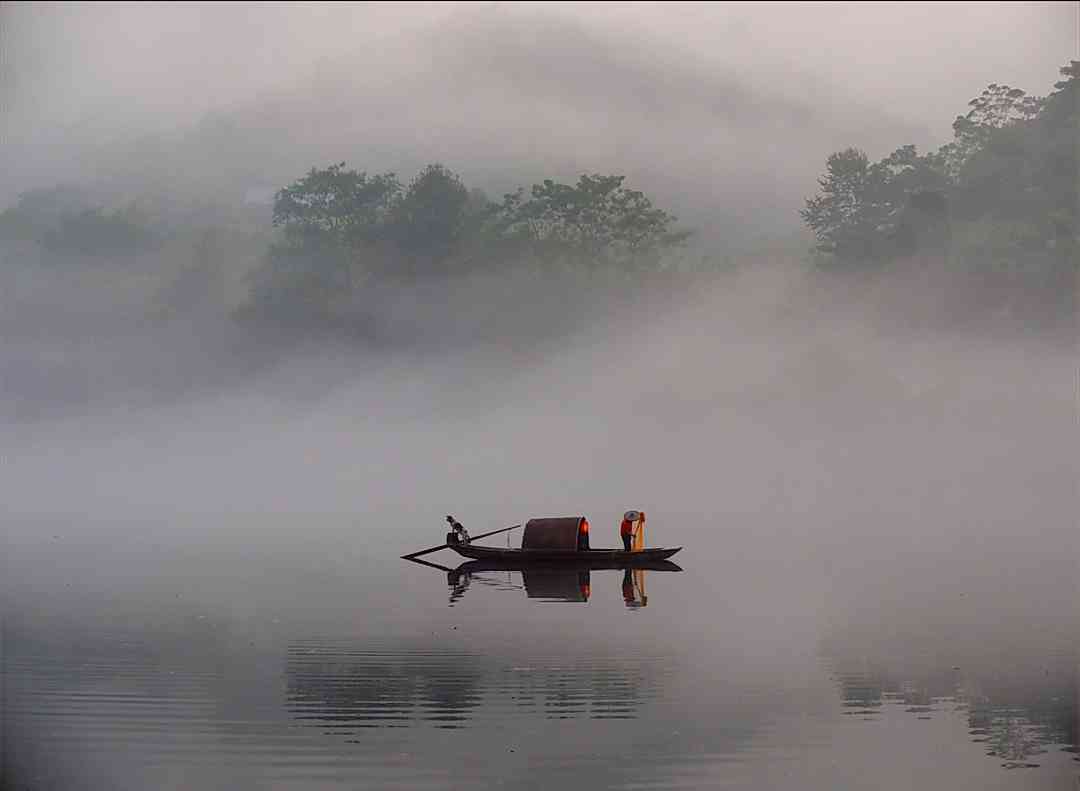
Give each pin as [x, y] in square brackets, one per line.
[626, 529]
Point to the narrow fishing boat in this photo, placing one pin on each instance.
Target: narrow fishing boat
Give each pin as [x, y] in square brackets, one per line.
[559, 540]
[517, 563]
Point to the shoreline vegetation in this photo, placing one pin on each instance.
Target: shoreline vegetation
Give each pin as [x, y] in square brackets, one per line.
[984, 229]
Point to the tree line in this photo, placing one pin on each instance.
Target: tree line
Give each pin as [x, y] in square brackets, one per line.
[340, 227]
[1001, 195]
[62, 220]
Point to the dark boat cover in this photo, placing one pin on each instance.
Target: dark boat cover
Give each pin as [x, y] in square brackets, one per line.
[558, 533]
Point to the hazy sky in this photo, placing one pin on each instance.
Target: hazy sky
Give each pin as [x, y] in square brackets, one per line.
[685, 98]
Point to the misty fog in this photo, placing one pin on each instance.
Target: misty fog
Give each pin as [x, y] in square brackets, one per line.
[870, 466]
[724, 111]
[854, 457]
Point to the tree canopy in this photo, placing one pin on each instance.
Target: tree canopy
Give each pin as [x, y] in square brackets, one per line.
[70, 222]
[1010, 170]
[347, 204]
[339, 226]
[430, 220]
[593, 222]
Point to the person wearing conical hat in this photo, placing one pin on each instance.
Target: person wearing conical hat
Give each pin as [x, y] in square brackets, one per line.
[626, 529]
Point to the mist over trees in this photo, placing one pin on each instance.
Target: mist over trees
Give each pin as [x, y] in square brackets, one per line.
[341, 228]
[995, 207]
[1000, 198]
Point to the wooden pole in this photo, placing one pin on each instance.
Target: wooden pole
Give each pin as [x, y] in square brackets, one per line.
[413, 555]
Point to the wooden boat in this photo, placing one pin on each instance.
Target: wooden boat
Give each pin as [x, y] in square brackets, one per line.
[517, 560]
[562, 540]
[594, 558]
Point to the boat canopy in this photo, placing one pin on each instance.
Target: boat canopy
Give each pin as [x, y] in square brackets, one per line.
[564, 532]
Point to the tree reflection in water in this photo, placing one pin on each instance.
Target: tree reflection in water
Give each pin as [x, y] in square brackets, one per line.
[1017, 718]
[342, 688]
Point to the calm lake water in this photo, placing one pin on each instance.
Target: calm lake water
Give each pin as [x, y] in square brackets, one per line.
[878, 585]
[219, 662]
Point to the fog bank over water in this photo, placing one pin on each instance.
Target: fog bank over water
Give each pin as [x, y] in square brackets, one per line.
[846, 452]
[722, 112]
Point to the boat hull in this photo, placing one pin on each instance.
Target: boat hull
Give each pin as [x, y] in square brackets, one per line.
[591, 558]
[475, 566]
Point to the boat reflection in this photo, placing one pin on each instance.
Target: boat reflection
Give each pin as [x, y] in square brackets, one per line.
[552, 583]
[633, 588]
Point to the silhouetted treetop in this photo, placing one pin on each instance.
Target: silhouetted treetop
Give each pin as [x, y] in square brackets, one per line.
[1010, 167]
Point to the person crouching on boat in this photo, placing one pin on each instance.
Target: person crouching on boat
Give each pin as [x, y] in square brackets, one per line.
[459, 535]
[626, 529]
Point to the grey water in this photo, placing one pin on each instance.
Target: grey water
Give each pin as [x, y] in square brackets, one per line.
[877, 585]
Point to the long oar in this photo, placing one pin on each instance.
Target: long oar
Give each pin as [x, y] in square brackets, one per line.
[413, 555]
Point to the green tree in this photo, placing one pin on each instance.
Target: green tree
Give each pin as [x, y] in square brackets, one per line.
[1003, 194]
[859, 214]
[997, 107]
[335, 222]
[346, 204]
[841, 214]
[594, 222]
[431, 219]
[328, 219]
